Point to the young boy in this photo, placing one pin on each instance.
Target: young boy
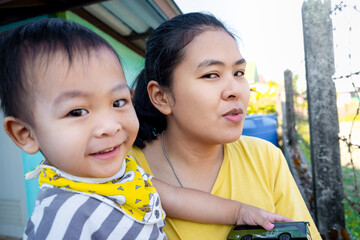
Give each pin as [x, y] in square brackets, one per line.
[64, 93]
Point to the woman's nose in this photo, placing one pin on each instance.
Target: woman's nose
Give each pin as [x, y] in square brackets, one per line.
[233, 88]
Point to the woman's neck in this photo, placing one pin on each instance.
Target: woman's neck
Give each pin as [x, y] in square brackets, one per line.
[194, 163]
[191, 151]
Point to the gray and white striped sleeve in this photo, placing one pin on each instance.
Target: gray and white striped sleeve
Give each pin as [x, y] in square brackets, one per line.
[61, 214]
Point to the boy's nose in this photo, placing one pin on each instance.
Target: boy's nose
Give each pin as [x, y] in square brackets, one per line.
[107, 126]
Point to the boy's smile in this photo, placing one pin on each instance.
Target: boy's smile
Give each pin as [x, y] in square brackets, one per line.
[84, 121]
[106, 153]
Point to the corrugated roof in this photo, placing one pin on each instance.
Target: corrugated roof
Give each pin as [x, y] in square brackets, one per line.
[128, 21]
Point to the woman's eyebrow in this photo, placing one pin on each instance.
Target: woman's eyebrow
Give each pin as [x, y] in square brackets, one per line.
[209, 62]
[240, 61]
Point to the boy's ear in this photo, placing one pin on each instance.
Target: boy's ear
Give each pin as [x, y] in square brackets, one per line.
[158, 97]
[21, 135]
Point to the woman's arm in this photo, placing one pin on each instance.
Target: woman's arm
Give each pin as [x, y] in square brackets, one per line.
[197, 206]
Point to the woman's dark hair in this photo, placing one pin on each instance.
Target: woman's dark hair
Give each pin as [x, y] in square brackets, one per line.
[23, 48]
[165, 49]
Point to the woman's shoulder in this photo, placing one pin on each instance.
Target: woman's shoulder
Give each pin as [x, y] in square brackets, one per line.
[137, 154]
[253, 148]
[252, 143]
[135, 151]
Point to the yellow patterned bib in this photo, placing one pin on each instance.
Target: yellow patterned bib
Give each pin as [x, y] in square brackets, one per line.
[133, 193]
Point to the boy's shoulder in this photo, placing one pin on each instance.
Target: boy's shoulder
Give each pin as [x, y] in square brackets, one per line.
[55, 202]
[62, 214]
[59, 212]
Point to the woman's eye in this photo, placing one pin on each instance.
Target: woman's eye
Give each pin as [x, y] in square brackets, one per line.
[239, 74]
[119, 103]
[78, 113]
[210, 75]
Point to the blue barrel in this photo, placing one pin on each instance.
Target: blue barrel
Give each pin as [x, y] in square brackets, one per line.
[262, 126]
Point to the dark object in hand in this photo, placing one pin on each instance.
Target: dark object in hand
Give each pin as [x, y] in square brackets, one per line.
[281, 231]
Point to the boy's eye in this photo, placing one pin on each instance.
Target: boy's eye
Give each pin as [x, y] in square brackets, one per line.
[78, 113]
[119, 103]
[239, 73]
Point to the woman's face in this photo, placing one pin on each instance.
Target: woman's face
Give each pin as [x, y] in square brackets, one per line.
[210, 94]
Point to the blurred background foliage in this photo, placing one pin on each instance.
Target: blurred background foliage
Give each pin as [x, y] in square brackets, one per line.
[346, 111]
[263, 98]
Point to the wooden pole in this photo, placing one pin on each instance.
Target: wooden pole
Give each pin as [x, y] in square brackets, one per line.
[290, 112]
[323, 119]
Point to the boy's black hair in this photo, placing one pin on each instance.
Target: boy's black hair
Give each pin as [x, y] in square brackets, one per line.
[165, 50]
[21, 49]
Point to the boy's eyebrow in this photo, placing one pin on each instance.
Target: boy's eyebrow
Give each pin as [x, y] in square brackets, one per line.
[209, 62]
[69, 94]
[78, 93]
[120, 86]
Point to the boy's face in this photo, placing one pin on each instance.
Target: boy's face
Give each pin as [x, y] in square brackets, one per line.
[84, 121]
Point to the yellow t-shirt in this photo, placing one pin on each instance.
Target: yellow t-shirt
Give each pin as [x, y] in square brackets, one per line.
[254, 172]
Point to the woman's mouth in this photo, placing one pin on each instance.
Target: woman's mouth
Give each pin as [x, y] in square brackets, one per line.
[234, 115]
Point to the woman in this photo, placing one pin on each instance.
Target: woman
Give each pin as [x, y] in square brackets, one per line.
[191, 100]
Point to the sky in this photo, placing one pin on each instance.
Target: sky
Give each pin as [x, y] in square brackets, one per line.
[271, 33]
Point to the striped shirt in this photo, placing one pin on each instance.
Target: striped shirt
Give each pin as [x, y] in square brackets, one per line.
[61, 214]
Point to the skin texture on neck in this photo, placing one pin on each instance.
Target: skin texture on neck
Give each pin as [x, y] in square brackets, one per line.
[195, 168]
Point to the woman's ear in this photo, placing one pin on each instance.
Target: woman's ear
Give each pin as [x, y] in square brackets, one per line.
[158, 97]
[21, 134]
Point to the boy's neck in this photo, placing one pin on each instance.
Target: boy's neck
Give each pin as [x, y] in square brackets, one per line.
[66, 175]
